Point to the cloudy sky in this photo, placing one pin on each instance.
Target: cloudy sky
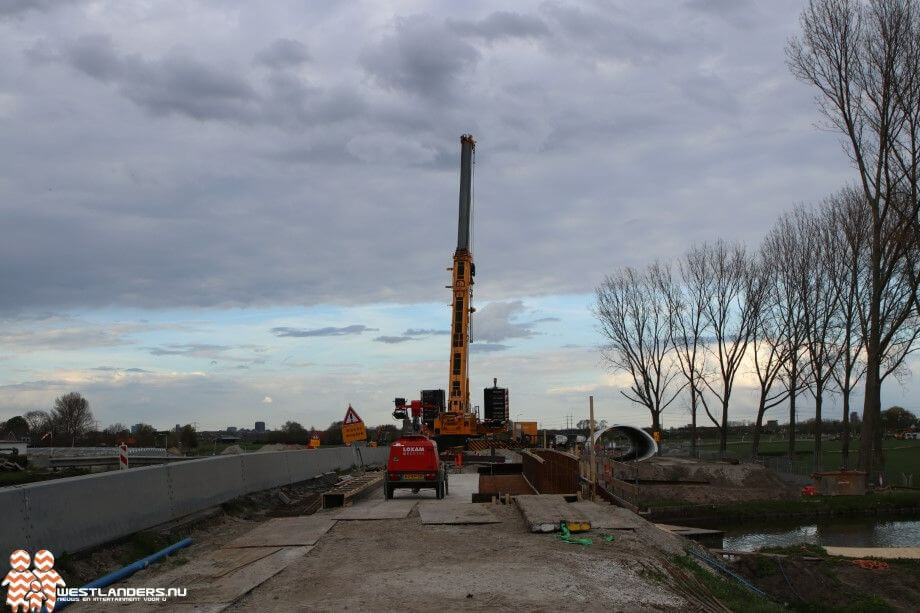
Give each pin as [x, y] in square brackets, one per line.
[218, 211]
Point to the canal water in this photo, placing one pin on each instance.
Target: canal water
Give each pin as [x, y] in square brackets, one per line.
[856, 532]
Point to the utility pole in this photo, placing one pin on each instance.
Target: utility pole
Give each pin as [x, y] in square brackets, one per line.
[591, 440]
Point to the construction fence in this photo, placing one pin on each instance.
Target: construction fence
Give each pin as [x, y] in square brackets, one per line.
[551, 472]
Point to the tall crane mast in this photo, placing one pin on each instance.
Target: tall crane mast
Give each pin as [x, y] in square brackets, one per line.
[451, 419]
[457, 422]
[463, 272]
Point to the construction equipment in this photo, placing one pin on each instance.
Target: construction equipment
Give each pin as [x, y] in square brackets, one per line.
[452, 420]
[414, 464]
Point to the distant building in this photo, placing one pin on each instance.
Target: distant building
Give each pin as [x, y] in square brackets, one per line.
[178, 428]
[260, 426]
[772, 423]
[231, 429]
[854, 416]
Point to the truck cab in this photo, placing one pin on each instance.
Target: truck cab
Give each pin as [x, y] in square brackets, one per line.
[414, 464]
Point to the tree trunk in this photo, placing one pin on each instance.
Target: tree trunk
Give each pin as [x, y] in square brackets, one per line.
[723, 442]
[693, 420]
[819, 399]
[757, 428]
[793, 382]
[871, 459]
[656, 420]
[845, 449]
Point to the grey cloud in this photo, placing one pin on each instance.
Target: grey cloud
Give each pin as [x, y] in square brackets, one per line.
[611, 35]
[74, 338]
[211, 352]
[180, 84]
[573, 136]
[116, 369]
[328, 331]
[283, 53]
[392, 340]
[194, 349]
[494, 323]
[176, 83]
[9, 8]
[424, 332]
[502, 24]
[421, 57]
[487, 347]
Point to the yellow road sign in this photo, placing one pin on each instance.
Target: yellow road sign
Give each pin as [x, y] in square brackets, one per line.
[353, 427]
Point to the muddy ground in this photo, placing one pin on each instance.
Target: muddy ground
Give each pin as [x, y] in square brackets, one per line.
[810, 582]
[680, 480]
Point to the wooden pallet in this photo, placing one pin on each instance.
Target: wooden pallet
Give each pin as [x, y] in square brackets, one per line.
[343, 493]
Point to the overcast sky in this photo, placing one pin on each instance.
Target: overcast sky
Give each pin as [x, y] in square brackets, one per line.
[222, 211]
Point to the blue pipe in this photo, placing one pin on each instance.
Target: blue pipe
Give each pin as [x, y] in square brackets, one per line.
[712, 563]
[129, 570]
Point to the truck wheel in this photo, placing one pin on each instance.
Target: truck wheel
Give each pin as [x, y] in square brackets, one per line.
[387, 491]
[439, 491]
[446, 485]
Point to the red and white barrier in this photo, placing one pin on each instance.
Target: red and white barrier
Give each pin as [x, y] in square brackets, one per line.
[122, 456]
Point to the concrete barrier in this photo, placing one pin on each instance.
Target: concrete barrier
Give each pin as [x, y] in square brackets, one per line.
[71, 514]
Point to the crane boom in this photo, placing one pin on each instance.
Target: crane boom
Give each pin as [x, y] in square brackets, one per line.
[462, 286]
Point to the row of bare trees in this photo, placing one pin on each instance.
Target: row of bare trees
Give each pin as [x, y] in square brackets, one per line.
[830, 300]
[791, 317]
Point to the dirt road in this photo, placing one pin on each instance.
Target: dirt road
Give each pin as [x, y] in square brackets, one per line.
[403, 564]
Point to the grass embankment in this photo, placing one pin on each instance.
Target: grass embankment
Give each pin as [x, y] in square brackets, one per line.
[878, 503]
[900, 456]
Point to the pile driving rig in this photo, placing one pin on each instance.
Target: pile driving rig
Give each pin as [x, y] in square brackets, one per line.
[449, 417]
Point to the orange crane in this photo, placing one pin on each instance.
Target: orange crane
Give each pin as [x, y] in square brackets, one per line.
[452, 420]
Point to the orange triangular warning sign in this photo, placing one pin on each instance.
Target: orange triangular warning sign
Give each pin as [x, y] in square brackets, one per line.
[351, 417]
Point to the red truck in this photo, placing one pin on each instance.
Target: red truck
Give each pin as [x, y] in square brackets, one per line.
[414, 464]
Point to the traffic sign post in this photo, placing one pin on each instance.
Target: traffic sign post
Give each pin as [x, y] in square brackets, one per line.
[353, 427]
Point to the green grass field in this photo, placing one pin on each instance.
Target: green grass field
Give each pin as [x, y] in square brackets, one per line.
[900, 456]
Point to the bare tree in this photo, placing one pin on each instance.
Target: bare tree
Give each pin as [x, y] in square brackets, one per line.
[864, 60]
[820, 301]
[687, 297]
[39, 423]
[731, 314]
[633, 313]
[768, 345]
[72, 417]
[782, 249]
[846, 218]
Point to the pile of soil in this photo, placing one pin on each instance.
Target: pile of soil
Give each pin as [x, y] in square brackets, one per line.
[282, 447]
[705, 482]
[823, 583]
[232, 450]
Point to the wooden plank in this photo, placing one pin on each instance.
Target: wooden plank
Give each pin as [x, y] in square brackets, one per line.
[437, 512]
[387, 509]
[236, 584]
[875, 552]
[544, 512]
[285, 531]
[608, 517]
[342, 494]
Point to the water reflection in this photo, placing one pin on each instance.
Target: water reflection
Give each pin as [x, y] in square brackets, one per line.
[838, 533]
